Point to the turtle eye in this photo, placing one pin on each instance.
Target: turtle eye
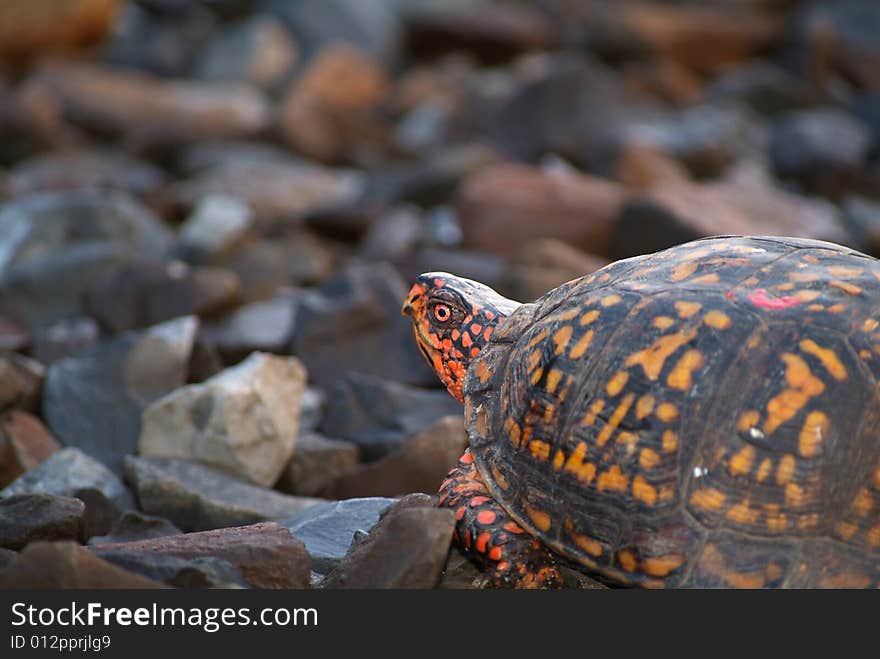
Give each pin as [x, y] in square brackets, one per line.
[442, 313]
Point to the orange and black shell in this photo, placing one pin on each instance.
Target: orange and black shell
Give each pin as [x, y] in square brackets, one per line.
[706, 416]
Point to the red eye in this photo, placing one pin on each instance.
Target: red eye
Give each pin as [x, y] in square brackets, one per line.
[442, 313]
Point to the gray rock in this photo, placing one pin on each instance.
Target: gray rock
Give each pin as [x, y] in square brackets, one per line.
[143, 292]
[353, 323]
[243, 421]
[93, 400]
[7, 557]
[71, 473]
[55, 245]
[406, 549]
[316, 463]
[327, 529]
[266, 326]
[763, 85]
[25, 518]
[312, 406]
[197, 498]
[259, 51]
[21, 381]
[134, 525]
[216, 226]
[24, 443]
[379, 415]
[64, 338]
[198, 572]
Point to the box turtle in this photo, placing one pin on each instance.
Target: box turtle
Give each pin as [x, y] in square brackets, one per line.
[705, 416]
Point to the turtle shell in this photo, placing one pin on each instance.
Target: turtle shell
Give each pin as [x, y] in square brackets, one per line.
[705, 416]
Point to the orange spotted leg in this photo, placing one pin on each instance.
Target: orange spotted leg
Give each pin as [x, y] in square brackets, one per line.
[508, 555]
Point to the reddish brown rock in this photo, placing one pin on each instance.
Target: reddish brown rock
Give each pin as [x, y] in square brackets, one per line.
[328, 109]
[30, 28]
[67, 565]
[640, 167]
[419, 465]
[545, 264]
[265, 554]
[150, 109]
[501, 208]
[316, 463]
[24, 443]
[21, 381]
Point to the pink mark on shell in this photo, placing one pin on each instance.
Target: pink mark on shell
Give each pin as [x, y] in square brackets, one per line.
[759, 298]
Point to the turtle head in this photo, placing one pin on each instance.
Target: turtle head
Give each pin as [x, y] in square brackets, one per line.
[453, 319]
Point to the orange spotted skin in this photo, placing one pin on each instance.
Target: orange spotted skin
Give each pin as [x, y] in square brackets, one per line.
[706, 416]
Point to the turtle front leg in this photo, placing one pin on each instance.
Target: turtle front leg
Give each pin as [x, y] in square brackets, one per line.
[508, 555]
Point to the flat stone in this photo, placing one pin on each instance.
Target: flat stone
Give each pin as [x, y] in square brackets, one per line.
[25, 518]
[55, 245]
[24, 443]
[317, 462]
[197, 498]
[134, 525]
[265, 554]
[265, 326]
[21, 381]
[66, 565]
[406, 549]
[498, 205]
[243, 421]
[379, 415]
[327, 529]
[217, 225]
[352, 322]
[328, 108]
[144, 292]
[94, 400]
[419, 465]
[148, 109]
[72, 473]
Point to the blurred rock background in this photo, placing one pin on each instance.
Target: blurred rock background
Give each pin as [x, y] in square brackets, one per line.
[210, 211]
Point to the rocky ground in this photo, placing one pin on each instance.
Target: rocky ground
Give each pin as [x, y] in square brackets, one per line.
[211, 211]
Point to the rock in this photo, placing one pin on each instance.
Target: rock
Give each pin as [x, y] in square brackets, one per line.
[664, 79]
[276, 192]
[704, 38]
[7, 556]
[144, 292]
[197, 498]
[763, 85]
[95, 168]
[33, 28]
[21, 381]
[166, 43]
[494, 32]
[148, 109]
[25, 518]
[862, 217]
[394, 234]
[544, 265]
[419, 465]
[823, 148]
[243, 421]
[491, 269]
[259, 51]
[327, 529]
[267, 266]
[677, 212]
[370, 25]
[639, 167]
[200, 572]
[327, 112]
[317, 461]
[71, 473]
[840, 36]
[65, 337]
[94, 400]
[24, 443]
[352, 322]
[55, 245]
[406, 549]
[312, 406]
[13, 336]
[216, 226]
[265, 554]
[497, 209]
[66, 565]
[379, 415]
[259, 326]
[134, 525]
